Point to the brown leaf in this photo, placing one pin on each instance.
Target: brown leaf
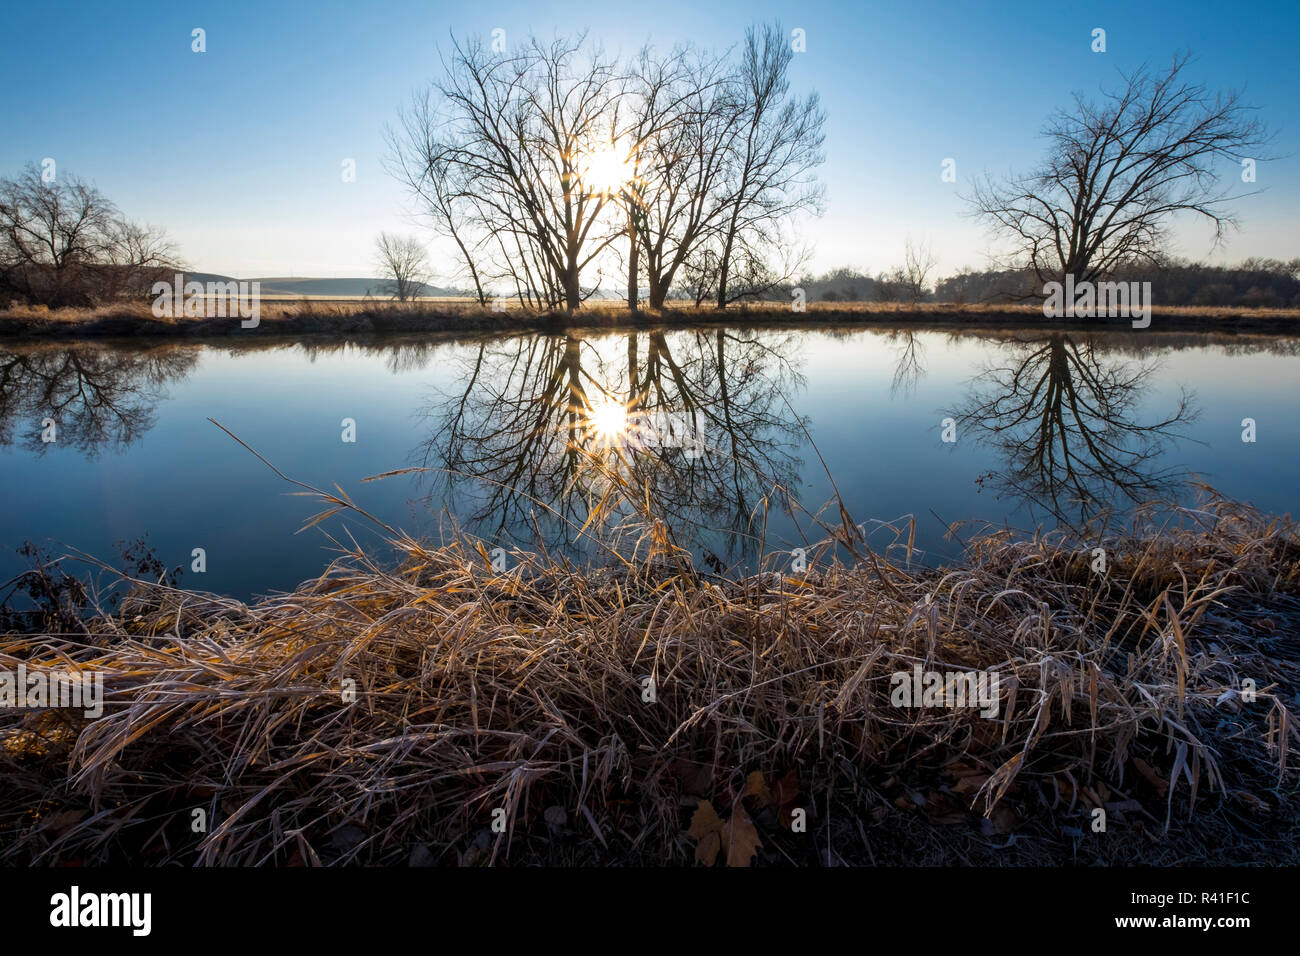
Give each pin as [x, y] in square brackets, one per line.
[706, 829]
[737, 837]
[1251, 801]
[970, 783]
[696, 778]
[787, 788]
[1119, 809]
[706, 851]
[786, 796]
[1004, 818]
[740, 837]
[943, 810]
[756, 786]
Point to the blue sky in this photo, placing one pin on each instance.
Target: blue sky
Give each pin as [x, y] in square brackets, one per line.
[238, 151]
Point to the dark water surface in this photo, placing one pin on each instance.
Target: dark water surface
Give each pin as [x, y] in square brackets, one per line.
[524, 435]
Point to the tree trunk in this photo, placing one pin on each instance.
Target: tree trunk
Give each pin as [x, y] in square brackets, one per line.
[572, 291]
[633, 261]
[724, 267]
[658, 291]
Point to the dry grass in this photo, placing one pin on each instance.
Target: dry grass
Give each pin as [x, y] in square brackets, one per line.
[523, 691]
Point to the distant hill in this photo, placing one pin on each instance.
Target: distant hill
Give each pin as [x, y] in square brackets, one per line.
[282, 285]
[375, 287]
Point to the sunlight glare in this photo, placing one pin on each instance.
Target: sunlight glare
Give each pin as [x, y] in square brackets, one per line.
[608, 170]
[608, 420]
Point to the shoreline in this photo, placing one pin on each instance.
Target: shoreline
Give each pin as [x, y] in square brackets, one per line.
[483, 692]
[335, 319]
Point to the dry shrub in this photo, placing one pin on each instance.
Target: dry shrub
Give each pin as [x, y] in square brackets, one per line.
[478, 690]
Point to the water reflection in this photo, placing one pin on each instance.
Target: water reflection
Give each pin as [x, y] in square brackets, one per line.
[1067, 419]
[909, 362]
[546, 433]
[98, 397]
[528, 437]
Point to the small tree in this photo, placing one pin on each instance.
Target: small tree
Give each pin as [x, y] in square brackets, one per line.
[404, 264]
[918, 263]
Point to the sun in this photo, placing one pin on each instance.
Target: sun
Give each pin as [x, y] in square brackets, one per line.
[607, 170]
[607, 420]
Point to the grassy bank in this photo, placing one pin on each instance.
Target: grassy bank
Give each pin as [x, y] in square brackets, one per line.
[526, 692]
[325, 317]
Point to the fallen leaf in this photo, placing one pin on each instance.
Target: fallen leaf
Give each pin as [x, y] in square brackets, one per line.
[943, 810]
[786, 796]
[736, 837]
[756, 786]
[696, 778]
[970, 784]
[787, 788]
[1004, 818]
[1250, 800]
[1119, 809]
[706, 830]
[740, 837]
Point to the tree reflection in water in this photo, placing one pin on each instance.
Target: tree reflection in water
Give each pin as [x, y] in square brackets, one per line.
[1066, 417]
[99, 397]
[523, 443]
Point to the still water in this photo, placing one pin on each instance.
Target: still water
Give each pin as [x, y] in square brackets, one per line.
[735, 438]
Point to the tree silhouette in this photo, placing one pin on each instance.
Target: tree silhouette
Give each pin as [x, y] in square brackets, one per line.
[1065, 418]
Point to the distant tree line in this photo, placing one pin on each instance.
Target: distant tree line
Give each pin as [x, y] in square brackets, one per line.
[1253, 283]
[63, 243]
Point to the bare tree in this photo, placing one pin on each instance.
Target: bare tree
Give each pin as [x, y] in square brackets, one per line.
[706, 155]
[655, 94]
[139, 254]
[918, 263]
[514, 448]
[516, 134]
[403, 262]
[771, 164]
[689, 124]
[63, 243]
[1116, 171]
[100, 397]
[1072, 428]
[426, 166]
[908, 282]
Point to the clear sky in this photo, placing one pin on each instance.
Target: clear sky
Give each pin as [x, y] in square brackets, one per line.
[238, 151]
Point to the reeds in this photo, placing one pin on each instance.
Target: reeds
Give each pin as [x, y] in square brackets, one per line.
[527, 691]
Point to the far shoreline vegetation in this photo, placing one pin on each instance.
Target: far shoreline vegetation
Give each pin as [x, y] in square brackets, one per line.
[325, 316]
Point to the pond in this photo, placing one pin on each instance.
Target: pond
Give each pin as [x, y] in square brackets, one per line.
[734, 438]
